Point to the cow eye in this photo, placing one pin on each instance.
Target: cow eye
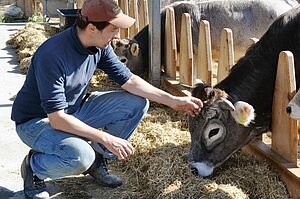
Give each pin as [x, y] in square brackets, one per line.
[126, 45]
[118, 44]
[214, 133]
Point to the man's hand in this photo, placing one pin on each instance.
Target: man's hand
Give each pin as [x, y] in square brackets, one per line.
[61, 121]
[188, 104]
[118, 146]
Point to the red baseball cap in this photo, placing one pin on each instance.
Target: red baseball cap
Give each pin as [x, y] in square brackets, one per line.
[106, 10]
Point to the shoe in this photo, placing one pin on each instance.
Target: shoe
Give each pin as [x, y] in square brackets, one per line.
[100, 173]
[34, 188]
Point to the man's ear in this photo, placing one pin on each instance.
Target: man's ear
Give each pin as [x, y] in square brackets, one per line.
[202, 91]
[91, 27]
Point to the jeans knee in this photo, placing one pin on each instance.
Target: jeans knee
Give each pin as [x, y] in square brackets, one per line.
[143, 104]
[80, 161]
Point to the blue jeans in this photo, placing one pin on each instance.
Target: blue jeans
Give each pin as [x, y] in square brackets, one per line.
[61, 154]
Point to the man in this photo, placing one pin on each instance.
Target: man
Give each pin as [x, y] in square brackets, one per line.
[55, 119]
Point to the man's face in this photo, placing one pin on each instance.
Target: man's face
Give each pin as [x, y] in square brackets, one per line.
[104, 36]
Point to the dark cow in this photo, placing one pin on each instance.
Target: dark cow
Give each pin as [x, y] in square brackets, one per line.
[246, 18]
[226, 122]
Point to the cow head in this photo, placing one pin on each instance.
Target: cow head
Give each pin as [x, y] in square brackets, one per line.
[293, 108]
[219, 130]
[129, 53]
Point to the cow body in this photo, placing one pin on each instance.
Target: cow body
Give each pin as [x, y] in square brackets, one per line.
[251, 80]
[246, 18]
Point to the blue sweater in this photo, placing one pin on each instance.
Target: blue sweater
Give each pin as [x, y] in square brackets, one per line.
[59, 74]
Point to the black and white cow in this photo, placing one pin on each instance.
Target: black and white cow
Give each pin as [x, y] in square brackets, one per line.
[246, 18]
[227, 122]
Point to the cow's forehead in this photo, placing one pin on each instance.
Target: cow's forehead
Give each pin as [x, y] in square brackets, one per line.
[124, 41]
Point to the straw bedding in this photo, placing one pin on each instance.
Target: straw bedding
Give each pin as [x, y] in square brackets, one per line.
[28, 39]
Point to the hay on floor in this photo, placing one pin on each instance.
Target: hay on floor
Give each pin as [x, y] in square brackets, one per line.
[28, 39]
[159, 167]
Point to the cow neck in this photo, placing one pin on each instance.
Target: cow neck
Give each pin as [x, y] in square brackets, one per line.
[252, 82]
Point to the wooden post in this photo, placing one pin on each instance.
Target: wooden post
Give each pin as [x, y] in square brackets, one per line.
[154, 43]
[170, 43]
[124, 33]
[143, 15]
[28, 10]
[133, 12]
[226, 59]
[284, 128]
[79, 3]
[204, 59]
[186, 74]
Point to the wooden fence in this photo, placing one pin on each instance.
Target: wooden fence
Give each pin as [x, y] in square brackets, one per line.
[282, 153]
[137, 9]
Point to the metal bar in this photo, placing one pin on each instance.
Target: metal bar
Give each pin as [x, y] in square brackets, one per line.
[154, 42]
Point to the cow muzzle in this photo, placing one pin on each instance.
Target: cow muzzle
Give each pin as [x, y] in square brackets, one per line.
[202, 169]
[293, 111]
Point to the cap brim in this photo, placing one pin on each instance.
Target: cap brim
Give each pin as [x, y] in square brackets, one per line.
[122, 21]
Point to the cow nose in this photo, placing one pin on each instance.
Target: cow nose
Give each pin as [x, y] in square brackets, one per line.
[201, 169]
[289, 110]
[123, 60]
[195, 171]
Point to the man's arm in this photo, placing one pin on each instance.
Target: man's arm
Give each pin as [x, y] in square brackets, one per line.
[64, 122]
[140, 87]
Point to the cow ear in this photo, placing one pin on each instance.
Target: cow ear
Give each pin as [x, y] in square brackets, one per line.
[134, 49]
[243, 113]
[114, 43]
[203, 91]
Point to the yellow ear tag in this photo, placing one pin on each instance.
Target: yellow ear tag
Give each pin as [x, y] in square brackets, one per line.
[243, 113]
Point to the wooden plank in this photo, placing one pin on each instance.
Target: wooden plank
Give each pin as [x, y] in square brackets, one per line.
[28, 10]
[173, 86]
[204, 59]
[133, 12]
[124, 33]
[186, 74]
[154, 43]
[79, 3]
[289, 173]
[284, 128]
[143, 14]
[146, 12]
[226, 59]
[170, 43]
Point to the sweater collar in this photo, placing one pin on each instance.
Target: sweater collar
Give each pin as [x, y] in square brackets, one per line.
[88, 51]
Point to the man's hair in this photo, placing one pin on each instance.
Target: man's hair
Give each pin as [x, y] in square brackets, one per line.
[82, 22]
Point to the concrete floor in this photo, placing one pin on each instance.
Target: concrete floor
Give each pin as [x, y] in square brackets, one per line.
[12, 150]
